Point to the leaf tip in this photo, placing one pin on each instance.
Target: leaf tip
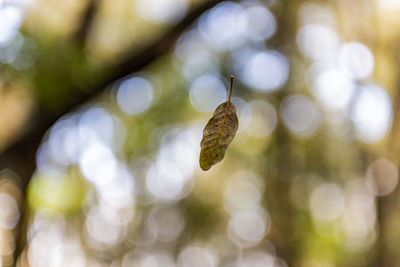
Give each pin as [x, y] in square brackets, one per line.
[205, 167]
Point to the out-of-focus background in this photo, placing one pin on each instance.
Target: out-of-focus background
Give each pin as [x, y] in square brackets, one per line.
[102, 105]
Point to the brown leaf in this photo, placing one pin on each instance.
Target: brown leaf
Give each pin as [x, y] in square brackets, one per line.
[218, 134]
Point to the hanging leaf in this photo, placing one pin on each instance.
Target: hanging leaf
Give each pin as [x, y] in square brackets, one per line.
[218, 133]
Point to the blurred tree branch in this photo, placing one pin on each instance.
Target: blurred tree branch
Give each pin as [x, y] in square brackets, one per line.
[85, 25]
[23, 150]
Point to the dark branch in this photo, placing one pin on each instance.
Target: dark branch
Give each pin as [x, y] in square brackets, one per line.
[87, 18]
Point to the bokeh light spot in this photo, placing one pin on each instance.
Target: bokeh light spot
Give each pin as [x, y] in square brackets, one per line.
[389, 4]
[118, 191]
[206, 92]
[261, 23]
[257, 258]
[243, 111]
[197, 256]
[135, 95]
[327, 202]
[334, 89]
[167, 223]
[242, 191]
[356, 60]
[9, 214]
[359, 216]
[300, 115]
[263, 119]
[372, 113]
[98, 163]
[223, 27]
[248, 227]
[317, 41]
[157, 259]
[162, 11]
[170, 177]
[199, 63]
[102, 231]
[382, 177]
[312, 12]
[264, 71]
[10, 21]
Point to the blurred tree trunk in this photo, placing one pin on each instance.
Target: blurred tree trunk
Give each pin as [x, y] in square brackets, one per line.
[280, 151]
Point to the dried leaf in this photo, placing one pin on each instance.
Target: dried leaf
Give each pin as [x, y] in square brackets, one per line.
[218, 134]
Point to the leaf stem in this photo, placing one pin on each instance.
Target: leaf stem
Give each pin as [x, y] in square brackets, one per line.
[227, 107]
[230, 89]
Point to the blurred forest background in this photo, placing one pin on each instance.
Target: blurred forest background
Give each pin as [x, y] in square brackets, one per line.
[102, 105]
